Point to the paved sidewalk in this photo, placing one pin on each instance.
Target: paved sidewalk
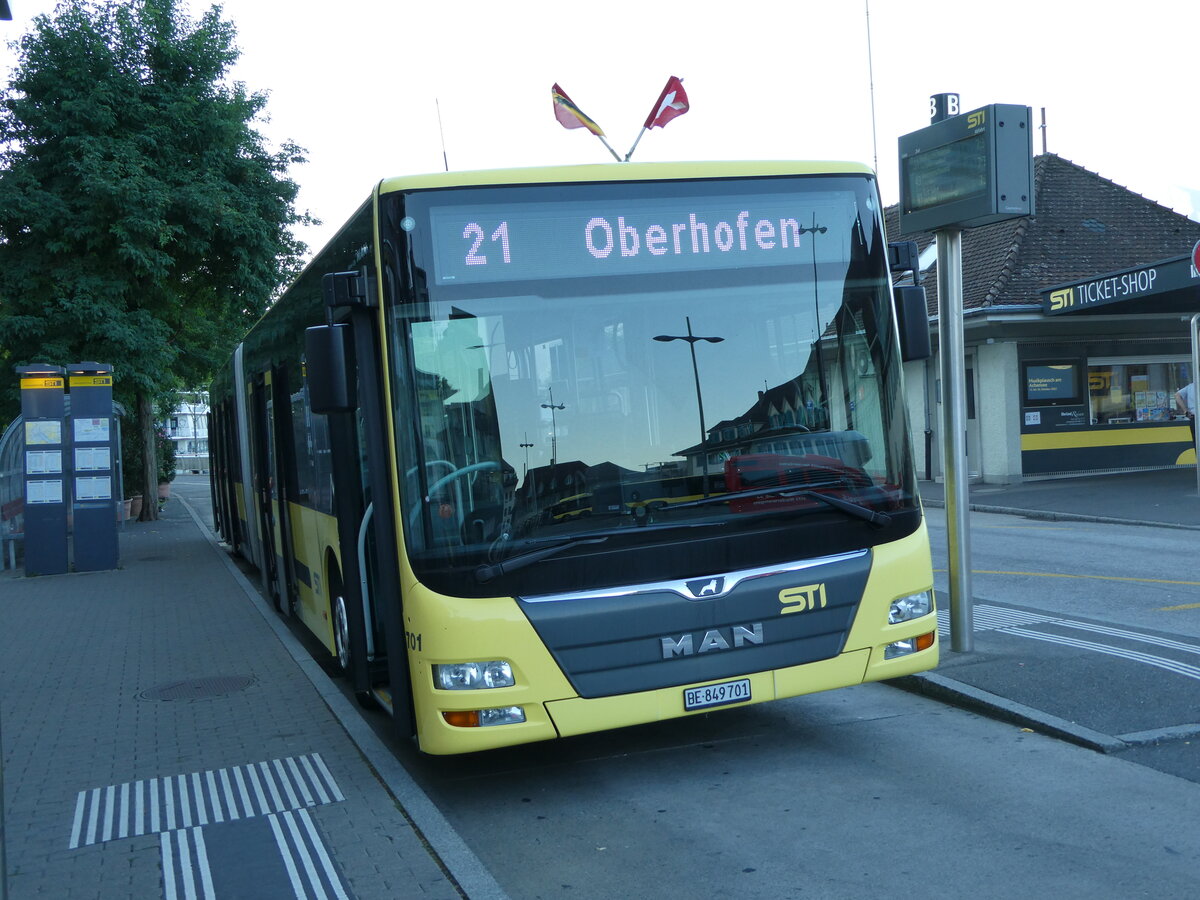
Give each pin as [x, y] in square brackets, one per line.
[1108, 688]
[1160, 497]
[164, 737]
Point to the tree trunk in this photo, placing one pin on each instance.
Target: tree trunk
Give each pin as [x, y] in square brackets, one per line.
[145, 414]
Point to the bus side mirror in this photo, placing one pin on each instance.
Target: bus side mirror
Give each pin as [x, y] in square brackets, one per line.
[329, 368]
[912, 318]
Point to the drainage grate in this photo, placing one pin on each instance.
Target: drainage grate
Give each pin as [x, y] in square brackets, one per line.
[199, 688]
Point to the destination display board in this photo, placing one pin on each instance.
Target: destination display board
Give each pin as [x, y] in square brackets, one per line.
[589, 238]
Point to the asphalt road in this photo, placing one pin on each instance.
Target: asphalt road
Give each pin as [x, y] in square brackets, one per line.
[1125, 574]
[855, 792]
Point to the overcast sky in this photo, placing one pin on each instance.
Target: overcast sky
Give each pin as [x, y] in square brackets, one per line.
[358, 83]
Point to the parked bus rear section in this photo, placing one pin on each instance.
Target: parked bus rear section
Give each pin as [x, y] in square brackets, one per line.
[540, 452]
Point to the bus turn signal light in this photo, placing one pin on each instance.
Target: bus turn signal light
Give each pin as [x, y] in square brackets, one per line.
[909, 645]
[481, 718]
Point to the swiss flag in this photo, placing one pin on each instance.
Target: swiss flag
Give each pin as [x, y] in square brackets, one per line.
[672, 102]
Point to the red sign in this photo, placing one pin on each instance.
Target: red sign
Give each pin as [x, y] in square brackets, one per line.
[1196, 257]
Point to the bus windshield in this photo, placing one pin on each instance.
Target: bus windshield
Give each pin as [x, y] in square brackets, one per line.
[583, 373]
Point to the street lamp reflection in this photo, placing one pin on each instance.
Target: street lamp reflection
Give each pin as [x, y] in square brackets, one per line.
[691, 342]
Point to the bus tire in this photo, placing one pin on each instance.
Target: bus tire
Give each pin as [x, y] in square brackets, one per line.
[341, 632]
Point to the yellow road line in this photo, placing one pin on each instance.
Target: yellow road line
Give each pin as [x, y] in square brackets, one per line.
[1097, 577]
[1100, 578]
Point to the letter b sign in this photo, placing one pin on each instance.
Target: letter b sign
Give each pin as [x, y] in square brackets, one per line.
[943, 106]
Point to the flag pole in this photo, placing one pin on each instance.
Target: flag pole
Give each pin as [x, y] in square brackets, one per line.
[608, 147]
[635, 143]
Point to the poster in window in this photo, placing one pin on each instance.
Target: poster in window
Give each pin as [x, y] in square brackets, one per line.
[1049, 383]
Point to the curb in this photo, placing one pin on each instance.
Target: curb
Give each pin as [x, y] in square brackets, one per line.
[956, 693]
[1052, 516]
[464, 869]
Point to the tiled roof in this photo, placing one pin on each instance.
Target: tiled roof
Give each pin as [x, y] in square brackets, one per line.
[1085, 225]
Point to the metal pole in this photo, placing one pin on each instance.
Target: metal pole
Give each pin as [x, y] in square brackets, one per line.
[954, 435]
[1195, 388]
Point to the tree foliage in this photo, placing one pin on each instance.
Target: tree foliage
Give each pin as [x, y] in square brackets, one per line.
[144, 221]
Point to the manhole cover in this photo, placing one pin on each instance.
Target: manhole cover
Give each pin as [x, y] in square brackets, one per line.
[198, 688]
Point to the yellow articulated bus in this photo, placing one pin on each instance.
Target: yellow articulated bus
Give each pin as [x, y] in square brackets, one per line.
[403, 444]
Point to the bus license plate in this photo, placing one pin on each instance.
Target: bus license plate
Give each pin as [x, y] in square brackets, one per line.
[716, 694]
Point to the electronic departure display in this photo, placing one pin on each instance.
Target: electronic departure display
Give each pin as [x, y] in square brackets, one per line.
[586, 238]
[967, 170]
[946, 174]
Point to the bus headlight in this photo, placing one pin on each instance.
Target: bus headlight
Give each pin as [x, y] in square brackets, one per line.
[482, 718]
[473, 676]
[912, 606]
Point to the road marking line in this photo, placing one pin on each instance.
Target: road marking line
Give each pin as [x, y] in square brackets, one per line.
[230, 801]
[1133, 635]
[1160, 662]
[168, 866]
[110, 794]
[315, 779]
[1183, 606]
[123, 826]
[94, 817]
[187, 876]
[1020, 623]
[305, 857]
[269, 779]
[285, 854]
[329, 779]
[174, 802]
[298, 777]
[319, 846]
[1094, 577]
[213, 797]
[205, 868]
[77, 825]
[198, 793]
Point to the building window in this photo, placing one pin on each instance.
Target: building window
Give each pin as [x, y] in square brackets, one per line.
[1122, 391]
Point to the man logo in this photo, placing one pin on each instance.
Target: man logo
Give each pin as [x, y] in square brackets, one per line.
[706, 587]
[803, 599]
[1059, 299]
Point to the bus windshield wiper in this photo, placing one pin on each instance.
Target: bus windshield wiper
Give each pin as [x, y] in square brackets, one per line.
[812, 491]
[487, 571]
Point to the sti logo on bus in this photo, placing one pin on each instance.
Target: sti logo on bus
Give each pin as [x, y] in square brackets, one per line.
[732, 639]
[803, 599]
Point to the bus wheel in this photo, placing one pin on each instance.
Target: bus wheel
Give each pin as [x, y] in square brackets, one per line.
[341, 632]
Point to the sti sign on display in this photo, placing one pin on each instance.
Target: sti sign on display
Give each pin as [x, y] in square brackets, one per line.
[967, 170]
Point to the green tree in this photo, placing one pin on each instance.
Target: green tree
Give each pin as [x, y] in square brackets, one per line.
[143, 219]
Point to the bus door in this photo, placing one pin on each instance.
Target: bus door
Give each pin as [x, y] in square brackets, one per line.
[283, 477]
[366, 518]
[261, 408]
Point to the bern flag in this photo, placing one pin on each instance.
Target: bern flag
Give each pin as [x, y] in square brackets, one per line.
[672, 102]
[570, 115]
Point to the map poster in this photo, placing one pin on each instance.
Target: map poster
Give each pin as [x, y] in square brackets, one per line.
[44, 432]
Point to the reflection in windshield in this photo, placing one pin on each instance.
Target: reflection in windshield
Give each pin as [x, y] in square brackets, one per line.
[548, 409]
